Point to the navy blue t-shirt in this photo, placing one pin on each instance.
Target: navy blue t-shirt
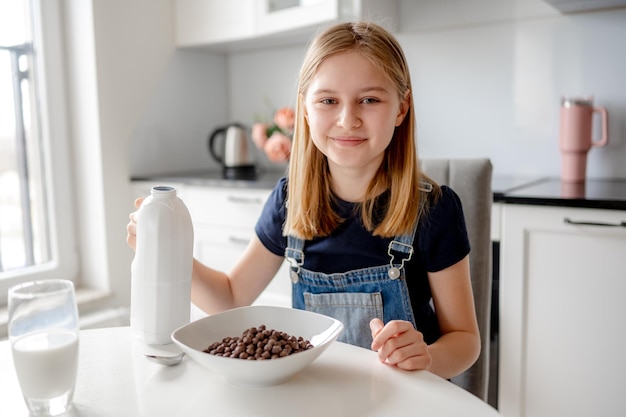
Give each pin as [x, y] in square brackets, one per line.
[440, 241]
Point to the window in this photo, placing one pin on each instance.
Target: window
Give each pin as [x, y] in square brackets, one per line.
[23, 228]
[33, 147]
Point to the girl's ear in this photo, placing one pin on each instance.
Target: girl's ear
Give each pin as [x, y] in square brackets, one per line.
[404, 108]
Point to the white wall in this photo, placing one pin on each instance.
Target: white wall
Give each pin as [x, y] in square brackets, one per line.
[488, 76]
[189, 100]
[494, 88]
[136, 105]
[117, 54]
[84, 128]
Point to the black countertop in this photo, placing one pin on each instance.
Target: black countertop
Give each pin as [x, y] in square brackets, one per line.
[593, 193]
[547, 191]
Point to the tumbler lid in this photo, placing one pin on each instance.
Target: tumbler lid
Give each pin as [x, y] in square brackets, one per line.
[577, 101]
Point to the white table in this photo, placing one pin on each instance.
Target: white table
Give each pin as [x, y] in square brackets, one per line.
[115, 380]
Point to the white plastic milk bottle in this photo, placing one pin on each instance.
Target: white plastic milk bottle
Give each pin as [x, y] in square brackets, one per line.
[161, 269]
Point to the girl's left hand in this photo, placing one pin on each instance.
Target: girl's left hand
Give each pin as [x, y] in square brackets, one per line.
[399, 344]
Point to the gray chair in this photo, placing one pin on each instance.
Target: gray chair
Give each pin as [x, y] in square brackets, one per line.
[471, 180]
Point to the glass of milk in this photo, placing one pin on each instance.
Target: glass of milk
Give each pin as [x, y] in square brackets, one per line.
[43, 331]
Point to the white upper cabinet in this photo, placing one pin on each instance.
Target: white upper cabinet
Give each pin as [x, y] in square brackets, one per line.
[245, 24]
[276, 16]
[201, 22]
[576, 6]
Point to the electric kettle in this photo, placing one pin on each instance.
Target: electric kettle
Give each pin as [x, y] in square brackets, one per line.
[235, 152]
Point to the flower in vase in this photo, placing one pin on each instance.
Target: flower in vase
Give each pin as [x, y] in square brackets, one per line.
[284, 119]
[277, 147]
[275, 138]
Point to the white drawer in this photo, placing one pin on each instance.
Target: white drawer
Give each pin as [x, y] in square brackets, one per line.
[225, 207]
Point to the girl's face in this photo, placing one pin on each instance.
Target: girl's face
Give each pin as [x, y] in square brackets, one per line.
[352, 111]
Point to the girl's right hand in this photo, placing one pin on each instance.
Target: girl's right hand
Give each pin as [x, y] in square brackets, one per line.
[131, 227]
[399, 344]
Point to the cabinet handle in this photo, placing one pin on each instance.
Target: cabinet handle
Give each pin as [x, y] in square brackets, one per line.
[244, 200]
[589, 223]
[238, 240]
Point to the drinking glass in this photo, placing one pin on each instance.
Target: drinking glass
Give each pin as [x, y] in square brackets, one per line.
[43, 332]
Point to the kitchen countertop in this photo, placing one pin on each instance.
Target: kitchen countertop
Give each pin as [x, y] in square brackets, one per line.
[547, 191]
[607, 194]
[266, 179]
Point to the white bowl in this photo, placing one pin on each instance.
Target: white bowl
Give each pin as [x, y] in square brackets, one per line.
[196, 336]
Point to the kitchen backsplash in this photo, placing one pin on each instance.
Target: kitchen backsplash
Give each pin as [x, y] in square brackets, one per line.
[488, 77]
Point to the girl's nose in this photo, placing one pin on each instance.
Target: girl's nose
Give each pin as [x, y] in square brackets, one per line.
[349, 117]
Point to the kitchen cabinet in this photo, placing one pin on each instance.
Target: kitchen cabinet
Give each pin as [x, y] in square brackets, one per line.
[241, 24]
[562, 287]
[577, 6]
[202, 22]
[223, 220]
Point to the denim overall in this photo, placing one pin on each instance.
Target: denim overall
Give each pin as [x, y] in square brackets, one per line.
[355, 297]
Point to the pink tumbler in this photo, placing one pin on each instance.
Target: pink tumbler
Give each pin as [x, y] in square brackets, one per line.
[576, 136]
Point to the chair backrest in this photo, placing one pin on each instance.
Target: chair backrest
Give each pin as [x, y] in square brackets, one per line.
[471, 180]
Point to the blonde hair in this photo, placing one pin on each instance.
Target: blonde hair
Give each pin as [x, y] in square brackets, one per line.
[309, 212]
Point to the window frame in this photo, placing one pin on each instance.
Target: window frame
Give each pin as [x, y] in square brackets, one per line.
[52, 102]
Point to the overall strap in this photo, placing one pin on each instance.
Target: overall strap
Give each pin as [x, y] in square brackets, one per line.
[404, 243]
[294, 253]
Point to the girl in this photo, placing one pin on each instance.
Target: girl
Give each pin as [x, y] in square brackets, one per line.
[371, 240]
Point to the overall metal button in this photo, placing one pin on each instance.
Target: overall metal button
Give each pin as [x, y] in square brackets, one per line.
[394, 273]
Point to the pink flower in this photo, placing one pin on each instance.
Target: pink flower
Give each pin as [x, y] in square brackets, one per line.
[259, 134]
[278, 147]
[285, 118]
[275, 138]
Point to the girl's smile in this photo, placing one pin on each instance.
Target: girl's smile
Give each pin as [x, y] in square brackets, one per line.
[348, 140]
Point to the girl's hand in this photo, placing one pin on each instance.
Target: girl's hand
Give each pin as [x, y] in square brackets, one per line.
[399, 344]
[131, 227]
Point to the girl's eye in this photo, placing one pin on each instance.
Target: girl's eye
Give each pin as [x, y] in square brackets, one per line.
[328, 101]
[369, 100]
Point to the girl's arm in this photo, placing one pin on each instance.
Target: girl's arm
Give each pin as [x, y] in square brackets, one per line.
[214, 291]
[459, 345]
